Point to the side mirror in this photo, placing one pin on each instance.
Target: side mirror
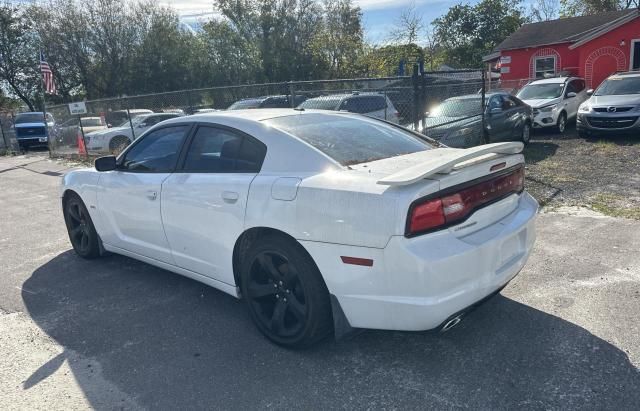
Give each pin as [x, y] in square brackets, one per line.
[589, 92]
[571, 94]
[109, 125]
[106, 163]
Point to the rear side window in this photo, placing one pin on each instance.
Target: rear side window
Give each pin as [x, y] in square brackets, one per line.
[217, 150]
[363, 105]
[350, 140]
[156, 152]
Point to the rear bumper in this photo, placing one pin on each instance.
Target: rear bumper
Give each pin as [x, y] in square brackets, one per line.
[417, 283]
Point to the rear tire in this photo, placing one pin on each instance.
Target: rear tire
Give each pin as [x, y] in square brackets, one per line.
[82, 233]
[287, 298]
[117, 144]
[525, 137]
[561, 125]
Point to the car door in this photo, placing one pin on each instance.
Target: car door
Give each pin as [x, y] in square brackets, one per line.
[515, 117]
[204, 202]
[496, 119]
[129, 197]
[571, 104]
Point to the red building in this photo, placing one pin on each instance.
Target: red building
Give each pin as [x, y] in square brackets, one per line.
[592, 47]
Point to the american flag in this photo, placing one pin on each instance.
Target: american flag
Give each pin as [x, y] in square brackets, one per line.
[47, 76]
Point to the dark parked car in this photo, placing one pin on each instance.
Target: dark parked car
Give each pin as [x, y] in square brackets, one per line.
[457, 122]
[266, 102]
[31, 130]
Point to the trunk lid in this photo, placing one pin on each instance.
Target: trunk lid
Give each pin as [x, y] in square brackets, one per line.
[426, 174]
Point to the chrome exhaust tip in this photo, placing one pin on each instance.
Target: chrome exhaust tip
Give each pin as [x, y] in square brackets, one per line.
[451, 323]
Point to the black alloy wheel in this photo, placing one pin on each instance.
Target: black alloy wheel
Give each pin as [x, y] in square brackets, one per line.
[82, 233]
[285, 293]
[275, 291]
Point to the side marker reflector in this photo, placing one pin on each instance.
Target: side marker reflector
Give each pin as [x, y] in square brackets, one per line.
[357, 261]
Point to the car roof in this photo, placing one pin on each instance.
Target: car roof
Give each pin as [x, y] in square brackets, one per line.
[625, 74]
[554, 80]
[347, 95]
[252, 114]
[479, 96]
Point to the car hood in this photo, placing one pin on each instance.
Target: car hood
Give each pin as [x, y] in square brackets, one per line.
[630, 100]
[541, 102]
[110, 130]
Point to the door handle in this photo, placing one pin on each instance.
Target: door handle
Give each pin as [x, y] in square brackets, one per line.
[152, 195]
[230, 196]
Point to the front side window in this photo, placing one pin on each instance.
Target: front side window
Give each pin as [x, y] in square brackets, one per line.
[545, 66]
[157, 152]
[349, 140]
[217, 150]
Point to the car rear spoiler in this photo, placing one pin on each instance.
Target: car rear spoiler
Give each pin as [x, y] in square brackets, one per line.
[448, 160]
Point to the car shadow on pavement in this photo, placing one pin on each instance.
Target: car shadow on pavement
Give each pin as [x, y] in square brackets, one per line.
[169, 342]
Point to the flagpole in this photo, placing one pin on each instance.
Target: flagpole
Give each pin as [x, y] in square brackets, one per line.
[44, 102]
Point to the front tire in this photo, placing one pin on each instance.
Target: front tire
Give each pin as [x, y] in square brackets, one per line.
[561, 125]
[82, 233]
[285, 293]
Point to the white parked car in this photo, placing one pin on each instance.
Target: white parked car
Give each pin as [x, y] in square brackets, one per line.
[375, 105]
[114, 140]
[555, 101]
[322, 222]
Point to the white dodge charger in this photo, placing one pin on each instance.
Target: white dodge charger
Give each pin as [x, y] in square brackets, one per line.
[322, 222]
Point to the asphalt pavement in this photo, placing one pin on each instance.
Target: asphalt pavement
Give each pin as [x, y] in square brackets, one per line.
[115, 333]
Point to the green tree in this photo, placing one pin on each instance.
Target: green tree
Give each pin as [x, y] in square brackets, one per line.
[19, 70]
[466, 32]
[571, 8]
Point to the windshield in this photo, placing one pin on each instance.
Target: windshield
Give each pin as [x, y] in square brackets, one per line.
[134, 121]
[32, 118]
[91, 122]
[619, 86]
[243, 104]
[350, 140]
[541, 91]
[321, 103]
[458, 108]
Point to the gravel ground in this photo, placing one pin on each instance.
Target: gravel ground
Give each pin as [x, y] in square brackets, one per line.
[602, 174]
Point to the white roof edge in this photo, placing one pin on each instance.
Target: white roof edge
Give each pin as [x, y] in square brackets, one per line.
[607, 28]
[448, 162]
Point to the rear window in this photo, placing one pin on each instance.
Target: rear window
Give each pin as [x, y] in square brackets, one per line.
[91, 122]
[245, 104]
[350, 140]
[321, 103]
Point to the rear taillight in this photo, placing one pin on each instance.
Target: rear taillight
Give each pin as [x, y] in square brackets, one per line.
[456, 204]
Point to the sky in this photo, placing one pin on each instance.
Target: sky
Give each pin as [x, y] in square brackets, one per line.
[379, 16]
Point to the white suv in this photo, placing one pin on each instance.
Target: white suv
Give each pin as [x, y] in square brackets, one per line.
[554, 100]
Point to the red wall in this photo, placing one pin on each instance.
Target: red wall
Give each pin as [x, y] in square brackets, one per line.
[594, 61]
[606, 54]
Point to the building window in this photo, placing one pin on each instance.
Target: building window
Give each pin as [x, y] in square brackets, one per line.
[545, 66]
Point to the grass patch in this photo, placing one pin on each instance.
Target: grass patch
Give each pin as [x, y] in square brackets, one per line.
[606, 146]
[615, 206]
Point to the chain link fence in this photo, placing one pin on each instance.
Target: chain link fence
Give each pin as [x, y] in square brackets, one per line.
[438, 104]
